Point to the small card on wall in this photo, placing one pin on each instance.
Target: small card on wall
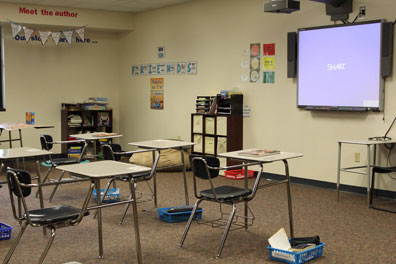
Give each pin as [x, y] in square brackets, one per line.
[269, 49]
[157, 93]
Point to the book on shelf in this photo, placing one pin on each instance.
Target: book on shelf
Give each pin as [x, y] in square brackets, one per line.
[259, 152]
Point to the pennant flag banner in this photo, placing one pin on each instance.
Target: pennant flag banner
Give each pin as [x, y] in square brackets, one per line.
[80, 32]
[16, 28]
[68, 35]
[56, 37]
[28, 33]
[44, 35]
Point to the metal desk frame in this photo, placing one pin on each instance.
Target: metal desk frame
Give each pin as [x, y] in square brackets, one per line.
[283, 156]
[369, 144]
[161, 144]
[98, 170]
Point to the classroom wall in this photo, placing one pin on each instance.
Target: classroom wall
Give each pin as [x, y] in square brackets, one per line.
[40, 78]
[215, 33]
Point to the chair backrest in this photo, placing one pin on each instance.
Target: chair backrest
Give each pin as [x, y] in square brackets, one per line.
[14, 177]
[116, 148]
[199, 166]
[107, 152]
[46, 142]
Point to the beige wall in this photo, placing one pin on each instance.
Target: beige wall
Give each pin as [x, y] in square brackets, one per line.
[39, 79]
[214, 33]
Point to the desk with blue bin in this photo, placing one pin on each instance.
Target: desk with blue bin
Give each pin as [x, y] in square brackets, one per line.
[98, 170]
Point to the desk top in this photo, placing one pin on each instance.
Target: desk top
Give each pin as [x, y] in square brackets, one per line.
[96, 135]
[13, 153]
[269, 158]
[16, 126]
[367, 142]
[103, 168]
[162, 144]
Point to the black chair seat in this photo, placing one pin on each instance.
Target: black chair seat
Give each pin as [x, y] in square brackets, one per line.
[226, 192]
[54, 214]
[378, 169]
[64, 161]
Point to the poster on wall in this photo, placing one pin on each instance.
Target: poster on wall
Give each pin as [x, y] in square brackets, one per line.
[255, 62]
[268, 77]
[161, 52]
[191, 67]
[135, 69]
[269, 63]
[269, 49]
[157, 93]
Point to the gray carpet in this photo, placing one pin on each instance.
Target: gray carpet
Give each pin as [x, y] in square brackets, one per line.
[353, 233]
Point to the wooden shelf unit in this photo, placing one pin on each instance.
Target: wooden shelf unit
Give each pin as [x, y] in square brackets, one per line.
[90, 123]
[213, 134]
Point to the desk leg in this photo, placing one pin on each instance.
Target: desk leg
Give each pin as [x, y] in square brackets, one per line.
[40, 191]
[155, 184]
[338, 171]
[246, 203]
[99, 210]
[135, 222]
[368, 173]
[184, 176]
[289, 201]
[20, 137]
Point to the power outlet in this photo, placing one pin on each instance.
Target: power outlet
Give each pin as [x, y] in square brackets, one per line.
[357, 156]
[362, 12]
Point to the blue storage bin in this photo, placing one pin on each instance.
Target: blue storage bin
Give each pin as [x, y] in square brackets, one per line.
[175, 217]
[296, 257]
[113, 195]
[5, 231]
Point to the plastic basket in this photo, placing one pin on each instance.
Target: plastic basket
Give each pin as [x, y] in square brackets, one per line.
[175, 217]
[296, 257]
[5, 231]
[112, 196]
[239, 174]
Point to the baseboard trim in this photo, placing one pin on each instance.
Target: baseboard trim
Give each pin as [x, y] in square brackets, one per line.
[330, 185]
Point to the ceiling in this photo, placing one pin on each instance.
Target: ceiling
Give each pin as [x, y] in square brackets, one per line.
[109, 5]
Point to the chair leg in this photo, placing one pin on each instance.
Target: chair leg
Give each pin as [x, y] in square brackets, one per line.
[44, 179]
[226, 230]
[56, 187]
[189, 222]
[15, 244]
[47, 247]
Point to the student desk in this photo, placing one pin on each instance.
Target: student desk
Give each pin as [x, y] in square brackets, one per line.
[370, 144]
[283, 156]
[161, 144]
[98, 170]
[95, 136]
[18, 126]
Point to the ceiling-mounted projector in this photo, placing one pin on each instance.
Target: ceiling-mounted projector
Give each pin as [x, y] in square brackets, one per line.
[282, 6]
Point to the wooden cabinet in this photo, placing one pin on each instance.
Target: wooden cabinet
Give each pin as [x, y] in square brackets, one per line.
[84, 121]
[214, 134]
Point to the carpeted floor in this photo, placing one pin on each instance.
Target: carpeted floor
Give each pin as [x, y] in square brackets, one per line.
[353, 233]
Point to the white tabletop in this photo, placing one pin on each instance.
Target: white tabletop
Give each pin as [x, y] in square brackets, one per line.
[103, 168]
[269, 158]
[13, 153]
[162, 144]
[367, 142]
[15, 126]
[96, 135]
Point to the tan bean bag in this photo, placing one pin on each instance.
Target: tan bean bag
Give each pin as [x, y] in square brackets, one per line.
[169, 157]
